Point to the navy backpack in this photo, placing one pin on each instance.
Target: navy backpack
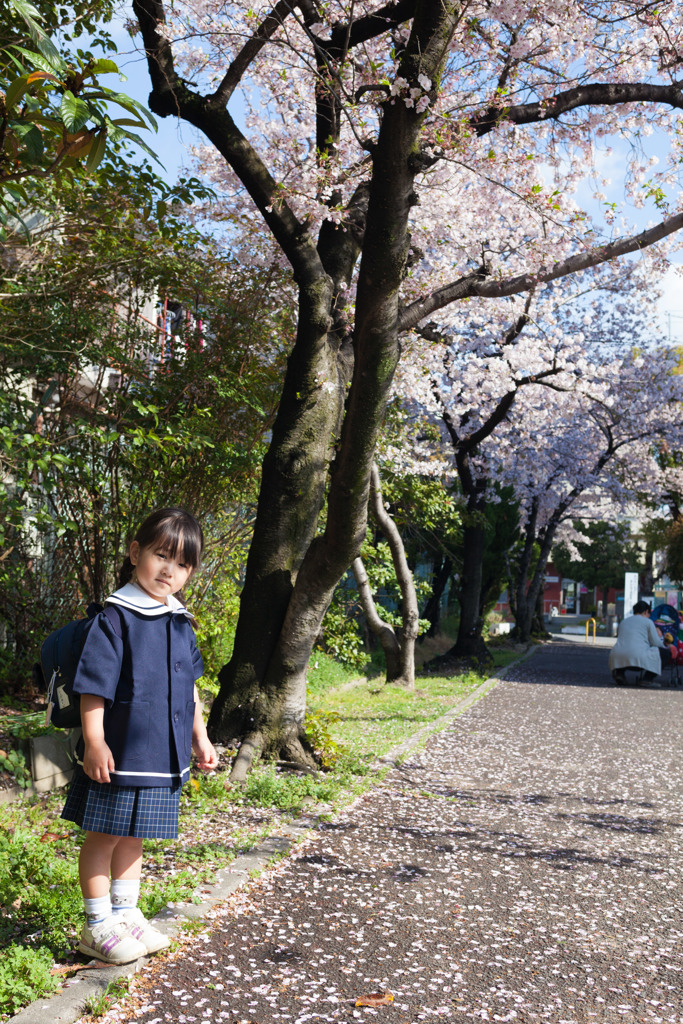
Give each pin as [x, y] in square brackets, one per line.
[59, 656]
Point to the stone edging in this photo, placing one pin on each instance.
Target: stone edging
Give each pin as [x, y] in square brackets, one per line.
[67, 1004]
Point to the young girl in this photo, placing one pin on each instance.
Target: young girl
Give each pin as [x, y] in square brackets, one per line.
[141, 718]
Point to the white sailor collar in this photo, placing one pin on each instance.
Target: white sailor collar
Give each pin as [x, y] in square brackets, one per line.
[133, 597]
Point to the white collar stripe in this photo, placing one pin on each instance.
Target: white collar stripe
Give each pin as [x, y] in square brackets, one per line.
[132, 596]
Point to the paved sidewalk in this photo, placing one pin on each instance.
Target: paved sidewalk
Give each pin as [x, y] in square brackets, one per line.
[525, 866]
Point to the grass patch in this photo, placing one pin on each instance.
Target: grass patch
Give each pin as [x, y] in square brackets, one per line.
[324, 673]
[502, 657]
[369, 719]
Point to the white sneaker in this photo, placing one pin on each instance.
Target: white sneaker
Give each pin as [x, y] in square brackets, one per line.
[140, 928]
[111, 941]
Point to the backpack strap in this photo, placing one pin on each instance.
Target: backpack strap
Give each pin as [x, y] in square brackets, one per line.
[113, 613]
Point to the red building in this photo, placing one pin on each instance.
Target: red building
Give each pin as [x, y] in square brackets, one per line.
[566, 597]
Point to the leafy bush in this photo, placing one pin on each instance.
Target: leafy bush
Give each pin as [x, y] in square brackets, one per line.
[216, 619]
[14, 762]
[317, 728]
[38, 890]
[341, 629]
[24, 976]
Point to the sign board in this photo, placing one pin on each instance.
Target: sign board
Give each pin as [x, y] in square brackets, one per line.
[630, 592]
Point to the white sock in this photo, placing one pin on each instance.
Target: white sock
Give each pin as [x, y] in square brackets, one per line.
[124, 894]
[97, 909]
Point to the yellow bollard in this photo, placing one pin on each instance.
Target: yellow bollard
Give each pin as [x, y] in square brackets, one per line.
[588, 621]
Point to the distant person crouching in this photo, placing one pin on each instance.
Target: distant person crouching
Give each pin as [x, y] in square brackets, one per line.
[639, 645]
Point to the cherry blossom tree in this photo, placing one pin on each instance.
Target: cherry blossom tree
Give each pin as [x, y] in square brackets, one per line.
[504, 389]
[608, 449]
[405, 157]
[471, 377]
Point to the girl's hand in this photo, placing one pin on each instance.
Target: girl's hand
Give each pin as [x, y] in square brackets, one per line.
[207, 758]
[98, 761]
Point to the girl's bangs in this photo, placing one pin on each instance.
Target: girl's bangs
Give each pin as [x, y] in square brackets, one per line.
[179, 536]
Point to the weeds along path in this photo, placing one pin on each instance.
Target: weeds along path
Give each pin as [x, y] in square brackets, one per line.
[524, 866]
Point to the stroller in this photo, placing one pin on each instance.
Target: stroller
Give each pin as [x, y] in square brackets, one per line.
[667, 620]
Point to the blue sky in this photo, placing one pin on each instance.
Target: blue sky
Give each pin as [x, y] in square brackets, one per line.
[174, 137]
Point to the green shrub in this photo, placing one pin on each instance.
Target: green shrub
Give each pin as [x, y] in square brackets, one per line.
[14, 762]
[24, 976]
[216, 609]
[317, 727]
[39, 891]
[341, 630]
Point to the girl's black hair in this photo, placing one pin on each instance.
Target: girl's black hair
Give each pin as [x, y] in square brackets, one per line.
[175, 531]
[640, 607]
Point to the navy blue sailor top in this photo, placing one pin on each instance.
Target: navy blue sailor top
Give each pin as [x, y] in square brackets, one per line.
[146, 676]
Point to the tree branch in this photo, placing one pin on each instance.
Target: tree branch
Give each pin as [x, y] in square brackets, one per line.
[346, 36]
[487, 287]
[596, 94]
[171, 96]
[249, 51]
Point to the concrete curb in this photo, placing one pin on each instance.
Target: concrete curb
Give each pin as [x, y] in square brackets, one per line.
[66, 1005]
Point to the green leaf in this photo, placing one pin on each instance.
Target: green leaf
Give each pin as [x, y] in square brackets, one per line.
[104, 67]
[143, 145]
[75, 113]
[15, 91]
[128, 103]
[48, 49]
[38, 60]
[32, 138]
[16, 191]
[129, 122]
[97, 151]
[31, 15]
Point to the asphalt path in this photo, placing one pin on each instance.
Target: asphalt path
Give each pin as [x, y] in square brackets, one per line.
[524, 866]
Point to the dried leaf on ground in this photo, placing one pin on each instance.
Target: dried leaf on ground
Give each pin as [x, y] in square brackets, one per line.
[71, 968]
[375, 999]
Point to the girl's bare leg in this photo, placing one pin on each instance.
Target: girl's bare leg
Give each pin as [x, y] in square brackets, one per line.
[126, 861]
[103, 857]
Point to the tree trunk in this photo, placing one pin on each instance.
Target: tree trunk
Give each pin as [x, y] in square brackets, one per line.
[521, 609]
[470, 643]
[530, 590]
[399, 651]
[538, 623]
[649, 571]
[432, 610]
[291, 574]
[384, 631]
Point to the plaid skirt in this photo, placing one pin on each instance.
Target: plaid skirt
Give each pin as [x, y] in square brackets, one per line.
[123, 810]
